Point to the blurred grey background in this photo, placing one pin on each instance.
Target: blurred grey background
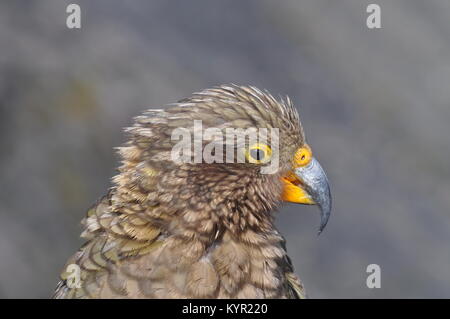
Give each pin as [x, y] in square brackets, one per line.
[375, 105]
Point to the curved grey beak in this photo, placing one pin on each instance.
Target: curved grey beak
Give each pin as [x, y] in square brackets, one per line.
[316, 184]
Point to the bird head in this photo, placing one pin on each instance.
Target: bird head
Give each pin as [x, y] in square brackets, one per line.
[224, 158]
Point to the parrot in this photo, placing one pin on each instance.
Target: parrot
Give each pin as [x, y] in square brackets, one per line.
[196, 219]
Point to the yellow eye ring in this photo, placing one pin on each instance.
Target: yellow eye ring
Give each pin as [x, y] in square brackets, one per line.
[303, 156]
[258, 153]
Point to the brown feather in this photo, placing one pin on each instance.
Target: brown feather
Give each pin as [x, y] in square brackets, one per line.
[170, 230]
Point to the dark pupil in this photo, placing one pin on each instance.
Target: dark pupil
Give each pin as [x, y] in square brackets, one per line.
[257, 154]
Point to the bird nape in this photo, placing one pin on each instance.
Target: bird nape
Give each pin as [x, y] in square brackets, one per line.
[183, 223]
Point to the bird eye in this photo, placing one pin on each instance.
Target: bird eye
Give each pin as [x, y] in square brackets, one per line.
[303, 156]
[258, 153]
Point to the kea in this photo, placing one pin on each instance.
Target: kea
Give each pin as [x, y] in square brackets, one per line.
[174, 227]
